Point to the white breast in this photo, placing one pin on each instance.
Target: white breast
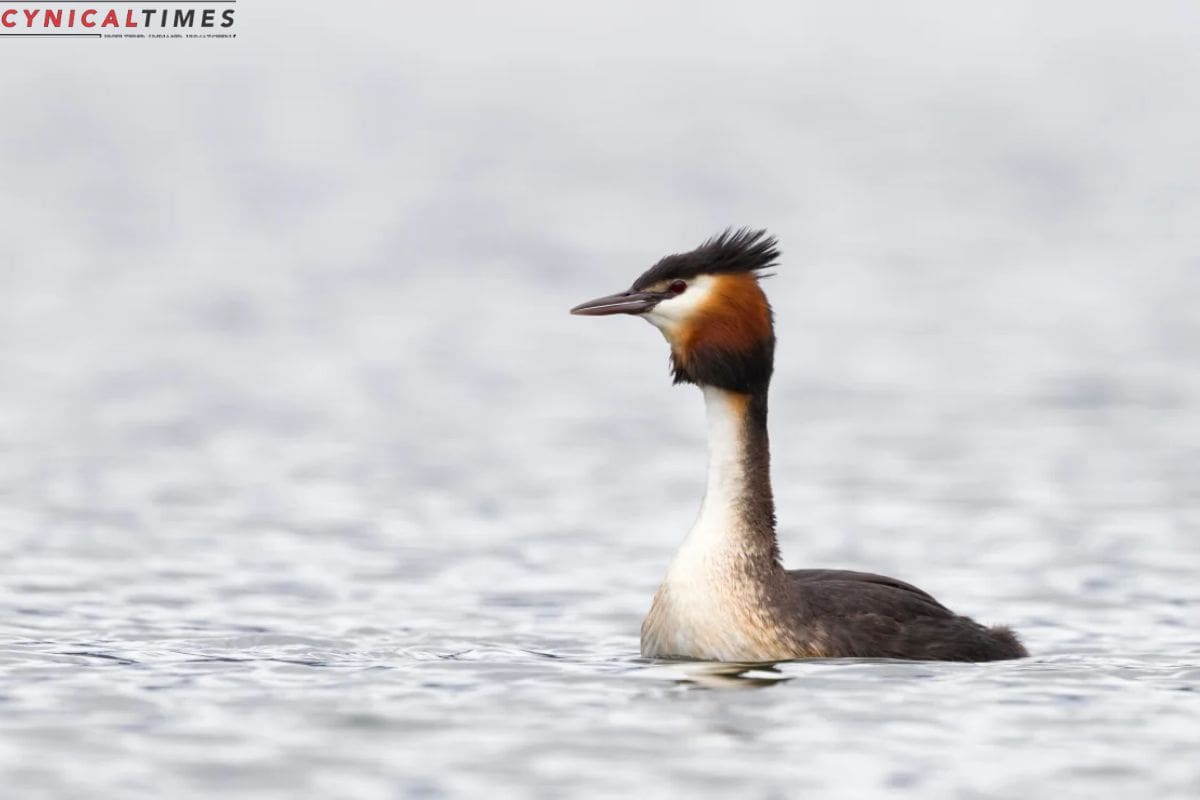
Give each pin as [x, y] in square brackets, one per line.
[695, 616]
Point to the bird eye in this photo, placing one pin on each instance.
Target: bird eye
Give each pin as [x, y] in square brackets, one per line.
[677, 287]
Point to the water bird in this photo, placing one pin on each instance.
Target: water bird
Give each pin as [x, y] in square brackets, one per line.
[726, 595]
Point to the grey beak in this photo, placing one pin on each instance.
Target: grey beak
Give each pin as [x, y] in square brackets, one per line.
[629, 302]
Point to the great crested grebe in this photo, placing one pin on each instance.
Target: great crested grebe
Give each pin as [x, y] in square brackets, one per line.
[726, 597]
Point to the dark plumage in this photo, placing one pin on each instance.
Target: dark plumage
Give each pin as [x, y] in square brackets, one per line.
[741, 370]
[730, 252]
[867, 615]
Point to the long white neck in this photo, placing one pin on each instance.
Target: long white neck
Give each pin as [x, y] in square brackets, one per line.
[710, 604]
[736, 520]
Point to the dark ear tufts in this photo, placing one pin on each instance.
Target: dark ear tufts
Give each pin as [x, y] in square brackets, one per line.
[743, 250]
[730, 252]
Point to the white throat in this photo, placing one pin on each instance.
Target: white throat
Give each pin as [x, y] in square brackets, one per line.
[715, 535]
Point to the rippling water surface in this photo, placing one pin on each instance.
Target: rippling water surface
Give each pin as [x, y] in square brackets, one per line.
[309, 486]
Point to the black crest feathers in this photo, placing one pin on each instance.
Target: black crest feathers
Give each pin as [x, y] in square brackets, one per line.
[743, 250]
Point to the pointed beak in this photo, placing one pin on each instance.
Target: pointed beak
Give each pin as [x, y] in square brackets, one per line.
[629, 302]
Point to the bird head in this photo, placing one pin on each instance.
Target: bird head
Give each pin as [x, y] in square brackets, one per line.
[710, 308]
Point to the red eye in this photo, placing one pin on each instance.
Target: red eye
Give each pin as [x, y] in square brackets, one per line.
[677, 287]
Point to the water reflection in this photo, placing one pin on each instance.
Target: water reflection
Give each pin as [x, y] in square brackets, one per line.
[718, 675]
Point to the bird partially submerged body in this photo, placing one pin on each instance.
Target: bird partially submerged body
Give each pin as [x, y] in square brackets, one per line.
[726, 596]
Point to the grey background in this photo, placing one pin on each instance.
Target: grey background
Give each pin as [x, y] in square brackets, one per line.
[309, 485]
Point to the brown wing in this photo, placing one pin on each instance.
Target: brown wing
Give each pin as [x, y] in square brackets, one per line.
[872, 616]
[859, 577]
